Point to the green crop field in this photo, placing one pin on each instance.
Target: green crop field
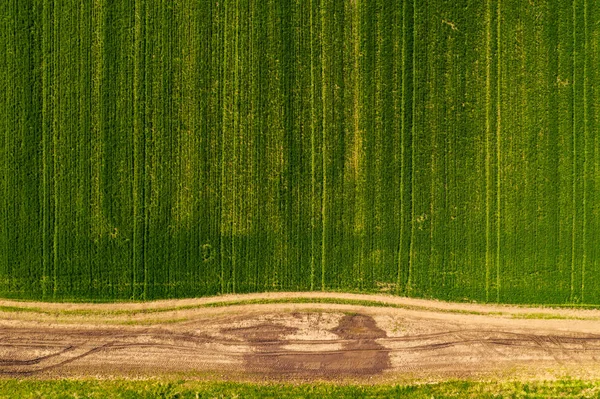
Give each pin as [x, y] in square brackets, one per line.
[175, 148]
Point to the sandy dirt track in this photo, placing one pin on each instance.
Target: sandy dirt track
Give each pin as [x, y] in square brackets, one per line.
[416, 340]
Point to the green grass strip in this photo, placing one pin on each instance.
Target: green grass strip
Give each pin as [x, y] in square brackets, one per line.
[267, 301]
[260, 301]
[181, 389]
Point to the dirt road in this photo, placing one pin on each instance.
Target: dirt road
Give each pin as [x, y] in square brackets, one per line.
[414, 340]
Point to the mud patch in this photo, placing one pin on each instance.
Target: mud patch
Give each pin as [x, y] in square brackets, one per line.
[360, 355]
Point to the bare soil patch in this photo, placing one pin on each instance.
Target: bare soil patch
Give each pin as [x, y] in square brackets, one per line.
[358, 356]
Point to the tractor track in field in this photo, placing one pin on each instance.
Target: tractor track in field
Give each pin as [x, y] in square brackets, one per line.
[303, 341]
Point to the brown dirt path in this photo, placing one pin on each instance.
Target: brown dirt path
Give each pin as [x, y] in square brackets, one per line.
[421, 340]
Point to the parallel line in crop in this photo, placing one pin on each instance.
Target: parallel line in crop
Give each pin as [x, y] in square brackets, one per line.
[253, 272]
[498, 149]
[574, 151]
[84, 147]
[593, 154]
[430, 210]
[325, 49]
[222, 229]
[585, 150]
[55, 149]
[362, 144]
[488, 129]
[96, 128]
[401, 113]
[138, 148]
[594, 60]
[358, 221]
[45, 204]
[406, 106]
[4, 161]
[313, 153]
[385, 139]
[564, 93]
[412, 151]
[552, 194]
[4, 254]
[580, 135]
[365, 202]
[8, 110]
[236, 131]
[149, 46]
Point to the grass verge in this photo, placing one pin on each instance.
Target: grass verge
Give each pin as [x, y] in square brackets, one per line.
[266, 301]
[193, 389]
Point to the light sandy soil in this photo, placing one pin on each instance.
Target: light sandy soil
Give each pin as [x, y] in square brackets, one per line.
[419, 341]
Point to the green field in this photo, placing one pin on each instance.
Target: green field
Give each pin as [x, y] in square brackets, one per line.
[131, 389]
[175, 148]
